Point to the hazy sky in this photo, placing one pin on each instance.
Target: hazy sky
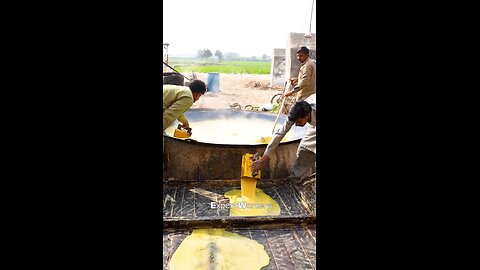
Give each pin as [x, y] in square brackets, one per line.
[248, 27]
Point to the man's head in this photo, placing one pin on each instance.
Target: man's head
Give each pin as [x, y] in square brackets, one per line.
[303, 54]
[300, 113]
[198, 88]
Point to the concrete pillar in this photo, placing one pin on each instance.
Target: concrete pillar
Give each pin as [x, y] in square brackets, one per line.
[277, 70]
[296, 40]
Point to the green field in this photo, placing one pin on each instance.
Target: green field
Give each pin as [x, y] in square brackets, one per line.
[245, 67]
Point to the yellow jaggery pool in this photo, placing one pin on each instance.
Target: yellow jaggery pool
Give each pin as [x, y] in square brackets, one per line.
[237, 131]
[251, 201]
[213, 249]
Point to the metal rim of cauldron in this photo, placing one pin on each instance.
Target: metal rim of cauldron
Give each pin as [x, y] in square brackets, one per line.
[229, 145]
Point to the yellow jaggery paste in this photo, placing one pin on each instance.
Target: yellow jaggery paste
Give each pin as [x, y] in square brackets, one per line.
[214, 249]
[251, 201]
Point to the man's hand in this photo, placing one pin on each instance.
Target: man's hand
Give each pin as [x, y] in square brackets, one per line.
[187, 128]
[288, 93]
[293, 81]
[185, 125]
[260, 164]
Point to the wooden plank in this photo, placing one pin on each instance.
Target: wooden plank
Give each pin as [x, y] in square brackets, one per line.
[306, 241]
[177, 207]
[185, 206]
[164, 196]
[194, 202]
[233, 183]
[224, 212]
[187, 209]
[236, 222]
[165, 201]
[174, 239]
[310, 196]
[291, 200]
[296, 250]
[270, 191]
[280, 253]
[166, 245]
[285, 210]
[174, 201]
[216, 190]
[260, 237]
[241, 231]
[313, 233]
[168, 201]
[287, 248]
[203, 199]
[168, 249]
[306, 192]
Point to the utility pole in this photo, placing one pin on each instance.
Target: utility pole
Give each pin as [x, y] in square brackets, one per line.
[165, 53]
[311, 15]
[309, 35]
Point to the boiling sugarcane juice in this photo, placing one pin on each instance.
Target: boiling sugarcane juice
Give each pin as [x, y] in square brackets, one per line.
[231, 131]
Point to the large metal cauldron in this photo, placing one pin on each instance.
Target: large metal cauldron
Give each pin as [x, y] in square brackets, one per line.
[209, 160]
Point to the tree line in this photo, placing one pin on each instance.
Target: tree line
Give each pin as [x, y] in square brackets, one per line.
[206, 55]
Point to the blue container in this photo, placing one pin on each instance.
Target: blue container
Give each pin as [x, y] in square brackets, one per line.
[213, 82]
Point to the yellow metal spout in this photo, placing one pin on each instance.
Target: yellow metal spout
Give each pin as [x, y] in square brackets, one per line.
[247, 161]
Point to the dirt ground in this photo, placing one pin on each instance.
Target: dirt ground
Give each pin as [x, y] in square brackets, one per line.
[244, 89]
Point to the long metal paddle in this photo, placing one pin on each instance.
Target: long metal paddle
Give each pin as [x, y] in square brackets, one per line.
[281, 107]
